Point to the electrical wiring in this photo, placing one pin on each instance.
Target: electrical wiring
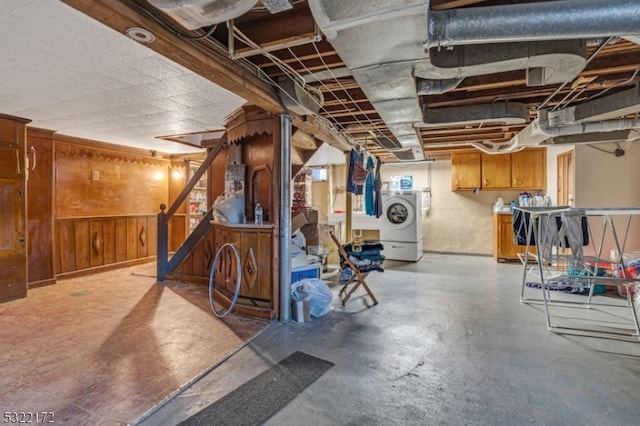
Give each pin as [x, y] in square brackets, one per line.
[216, 48]
[618, 152]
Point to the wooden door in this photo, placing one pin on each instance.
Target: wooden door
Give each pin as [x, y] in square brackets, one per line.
[40, 207]
[496, 171]
[13, 234]
[465, 170]
[565, 179]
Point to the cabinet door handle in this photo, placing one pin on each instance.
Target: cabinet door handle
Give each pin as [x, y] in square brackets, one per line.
[18, 161]
[486, 182]
[33, 158]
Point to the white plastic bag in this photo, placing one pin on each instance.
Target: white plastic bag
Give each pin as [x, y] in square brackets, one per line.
[230, 208]
[317, 292]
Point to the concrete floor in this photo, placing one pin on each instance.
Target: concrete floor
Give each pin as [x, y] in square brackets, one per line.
[449, 344]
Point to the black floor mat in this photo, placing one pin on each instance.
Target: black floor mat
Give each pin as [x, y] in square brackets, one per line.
[261, 397]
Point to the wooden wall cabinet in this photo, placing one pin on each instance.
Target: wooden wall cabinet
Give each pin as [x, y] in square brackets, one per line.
[466, 170]
[496, 171]
[529, 169]
[522, 170]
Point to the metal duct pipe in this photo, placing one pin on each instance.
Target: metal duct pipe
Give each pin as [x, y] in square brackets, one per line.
[540, 130]
[496, 148]
[553, 20]
[427, 86]
[580, 128]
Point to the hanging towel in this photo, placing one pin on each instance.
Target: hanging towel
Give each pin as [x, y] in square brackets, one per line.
[377, 187]
[369, 189]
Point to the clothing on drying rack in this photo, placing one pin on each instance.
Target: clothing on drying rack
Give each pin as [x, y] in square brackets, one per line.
[566, 287]
[357, 173]
[377, 187]
[369, 188]
[578, 227]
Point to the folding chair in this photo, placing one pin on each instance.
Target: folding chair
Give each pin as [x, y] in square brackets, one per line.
[357, 278]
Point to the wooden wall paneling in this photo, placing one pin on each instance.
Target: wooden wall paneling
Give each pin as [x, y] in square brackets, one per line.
[96, 234]
[83, 243]
[259, 191]
[93, 180]
[265, 264]
[66, 250]
[40, 206]
[208, 253]
[121, 239]
[186, 267]
[143, 237]
[224, 267]
[177, 230]
[196, 259]
[109, 241]
[132, 238]
[252, 268]
[152, 235]
[257, 154]
[215, 175]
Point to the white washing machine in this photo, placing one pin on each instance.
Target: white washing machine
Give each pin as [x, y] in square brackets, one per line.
[401, 225]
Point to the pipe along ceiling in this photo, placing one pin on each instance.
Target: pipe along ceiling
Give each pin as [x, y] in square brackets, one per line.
[398, 51]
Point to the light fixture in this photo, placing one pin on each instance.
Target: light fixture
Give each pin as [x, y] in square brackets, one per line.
[140, 35]
[158, 175]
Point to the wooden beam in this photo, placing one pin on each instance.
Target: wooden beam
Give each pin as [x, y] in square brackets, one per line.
[313, 126]
[303, 140]
[193, 55]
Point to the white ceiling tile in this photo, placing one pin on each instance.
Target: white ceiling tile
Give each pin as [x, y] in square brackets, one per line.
[70, 73]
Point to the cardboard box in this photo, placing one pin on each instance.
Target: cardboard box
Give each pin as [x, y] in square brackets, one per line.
[303, 218]
[317, 234]
[310, 232]
[297, 221]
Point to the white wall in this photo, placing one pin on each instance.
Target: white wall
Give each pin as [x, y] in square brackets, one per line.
[458, 221]
[603, 180]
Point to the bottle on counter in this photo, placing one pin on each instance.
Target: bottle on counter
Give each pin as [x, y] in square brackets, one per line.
[258, 214]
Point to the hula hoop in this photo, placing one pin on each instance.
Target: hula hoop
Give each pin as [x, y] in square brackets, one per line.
[212, 280]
